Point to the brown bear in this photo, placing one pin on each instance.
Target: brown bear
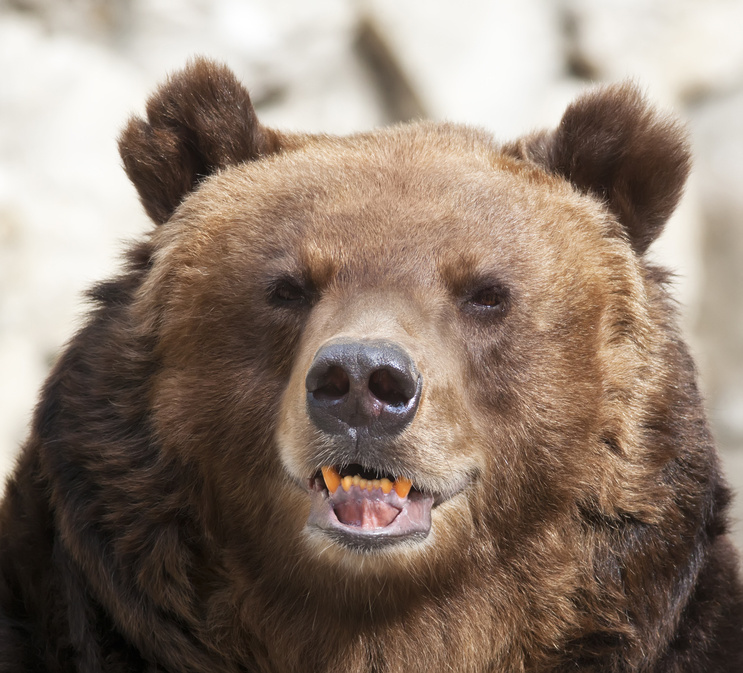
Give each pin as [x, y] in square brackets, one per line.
[409, 400]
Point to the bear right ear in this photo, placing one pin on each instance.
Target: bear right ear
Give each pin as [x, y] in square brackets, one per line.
[199, 121]
[613, 145]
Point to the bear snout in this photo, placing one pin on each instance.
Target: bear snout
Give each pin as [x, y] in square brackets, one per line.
[367, 386]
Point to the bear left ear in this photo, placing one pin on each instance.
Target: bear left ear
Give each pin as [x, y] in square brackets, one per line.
[199, 121]
[613, 145]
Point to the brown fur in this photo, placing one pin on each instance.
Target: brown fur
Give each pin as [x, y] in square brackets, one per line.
[156, 520]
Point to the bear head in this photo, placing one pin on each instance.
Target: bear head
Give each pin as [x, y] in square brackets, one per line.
[405, 360]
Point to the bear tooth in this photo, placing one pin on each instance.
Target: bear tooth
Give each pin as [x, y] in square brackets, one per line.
[402, 486]
[332, 478]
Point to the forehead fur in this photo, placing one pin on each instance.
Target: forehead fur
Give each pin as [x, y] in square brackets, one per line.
[409, 192]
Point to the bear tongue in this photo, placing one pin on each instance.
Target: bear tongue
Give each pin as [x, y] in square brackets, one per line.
[366, 513]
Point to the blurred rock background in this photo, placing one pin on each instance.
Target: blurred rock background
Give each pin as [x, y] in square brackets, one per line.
[71, 72]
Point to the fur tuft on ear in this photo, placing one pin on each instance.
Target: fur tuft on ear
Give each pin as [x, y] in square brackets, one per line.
[614, 146]
[199, 121]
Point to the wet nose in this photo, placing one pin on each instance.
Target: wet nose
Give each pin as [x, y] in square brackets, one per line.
[371, 385]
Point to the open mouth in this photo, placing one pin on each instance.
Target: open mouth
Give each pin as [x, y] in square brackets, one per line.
[365, 509]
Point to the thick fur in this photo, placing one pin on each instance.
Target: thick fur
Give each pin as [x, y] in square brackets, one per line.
[156, 517]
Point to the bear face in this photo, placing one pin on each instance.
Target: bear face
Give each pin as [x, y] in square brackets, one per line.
[350, 265]
[395, 247]
[451, 265]
[405, 400]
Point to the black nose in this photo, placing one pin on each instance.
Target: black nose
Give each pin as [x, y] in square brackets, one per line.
[370, 385]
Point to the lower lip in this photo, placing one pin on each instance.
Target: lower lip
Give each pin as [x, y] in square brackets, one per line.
[411, 523]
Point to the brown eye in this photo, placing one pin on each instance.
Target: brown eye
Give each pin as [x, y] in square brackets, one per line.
[487, 298]
[488, 301]
[289, 292]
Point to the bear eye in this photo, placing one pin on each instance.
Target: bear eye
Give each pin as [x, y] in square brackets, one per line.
[289, 292]
[489, 300]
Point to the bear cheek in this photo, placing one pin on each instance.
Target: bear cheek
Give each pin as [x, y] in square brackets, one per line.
[445, 436]
[294, 431]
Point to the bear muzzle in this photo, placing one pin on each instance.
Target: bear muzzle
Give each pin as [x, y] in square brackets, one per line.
[361, 393]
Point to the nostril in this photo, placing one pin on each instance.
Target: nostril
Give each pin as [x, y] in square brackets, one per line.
[387, 388]
[370, 387]
[332, 385]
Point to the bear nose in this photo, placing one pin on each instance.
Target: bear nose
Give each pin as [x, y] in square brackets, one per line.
[371, 385]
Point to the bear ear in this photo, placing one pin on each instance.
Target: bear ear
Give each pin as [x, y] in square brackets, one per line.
[199, 121]
[613, 145]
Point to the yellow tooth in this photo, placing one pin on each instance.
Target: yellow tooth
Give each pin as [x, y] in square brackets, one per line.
[332, 478]
[402, 486]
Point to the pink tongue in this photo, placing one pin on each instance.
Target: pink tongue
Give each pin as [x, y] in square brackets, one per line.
[366, 514]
